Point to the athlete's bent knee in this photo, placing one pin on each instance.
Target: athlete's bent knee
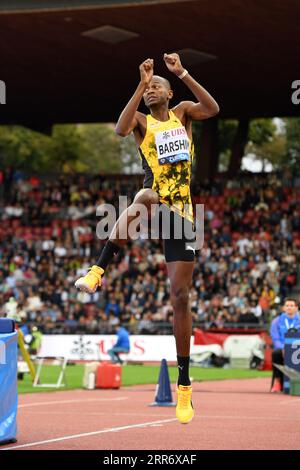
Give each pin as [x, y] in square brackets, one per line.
[146, 197]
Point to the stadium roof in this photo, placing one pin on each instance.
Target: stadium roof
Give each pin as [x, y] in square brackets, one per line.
[77, 61]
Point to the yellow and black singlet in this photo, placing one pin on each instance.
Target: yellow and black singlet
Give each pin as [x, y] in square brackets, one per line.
[167, 155]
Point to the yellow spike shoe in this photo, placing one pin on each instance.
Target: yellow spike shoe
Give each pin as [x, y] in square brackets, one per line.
[91, 281]
[184, 409]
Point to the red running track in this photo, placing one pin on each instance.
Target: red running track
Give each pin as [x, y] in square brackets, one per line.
[233, 414]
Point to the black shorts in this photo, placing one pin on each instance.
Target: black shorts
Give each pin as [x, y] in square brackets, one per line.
[178, 239]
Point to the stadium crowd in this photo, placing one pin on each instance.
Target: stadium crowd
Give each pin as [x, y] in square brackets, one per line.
[48, 239]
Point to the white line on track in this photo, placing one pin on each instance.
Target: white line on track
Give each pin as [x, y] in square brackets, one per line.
[81, 400]
[87, 434]
[92, 413]
[251, 418]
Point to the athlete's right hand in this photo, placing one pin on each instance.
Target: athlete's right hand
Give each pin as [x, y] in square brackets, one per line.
[146, 71]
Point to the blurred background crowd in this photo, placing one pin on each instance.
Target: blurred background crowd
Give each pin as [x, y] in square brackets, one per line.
[247, 266]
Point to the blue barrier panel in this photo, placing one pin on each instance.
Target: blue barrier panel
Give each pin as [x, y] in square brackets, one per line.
[8, 386]
[291, 355]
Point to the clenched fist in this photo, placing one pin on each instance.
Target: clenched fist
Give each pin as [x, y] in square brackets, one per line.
[173, 63]
[146, 71]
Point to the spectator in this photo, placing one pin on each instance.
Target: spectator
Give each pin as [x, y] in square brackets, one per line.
[10, 308]
[146, 325]
[121, 346]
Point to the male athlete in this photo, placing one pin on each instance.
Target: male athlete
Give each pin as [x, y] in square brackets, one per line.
[164, 140]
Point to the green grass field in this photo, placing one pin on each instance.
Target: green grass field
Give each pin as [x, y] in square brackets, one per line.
[134, 375]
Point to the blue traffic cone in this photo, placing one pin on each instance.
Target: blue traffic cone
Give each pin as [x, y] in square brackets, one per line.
[163, 394]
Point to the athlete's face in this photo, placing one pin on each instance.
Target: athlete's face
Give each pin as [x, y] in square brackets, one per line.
[157, 93]
[290, 307]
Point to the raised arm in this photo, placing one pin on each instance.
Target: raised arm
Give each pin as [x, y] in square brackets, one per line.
[128, 119]
[206, 106]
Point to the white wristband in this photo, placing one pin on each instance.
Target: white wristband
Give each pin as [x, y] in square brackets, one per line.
[184, 73]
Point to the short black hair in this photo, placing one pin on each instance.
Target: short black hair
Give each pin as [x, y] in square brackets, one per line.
[289, 299]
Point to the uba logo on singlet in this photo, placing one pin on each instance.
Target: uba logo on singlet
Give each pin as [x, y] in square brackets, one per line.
[2, 92]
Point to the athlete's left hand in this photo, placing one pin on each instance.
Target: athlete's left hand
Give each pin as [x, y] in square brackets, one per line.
[173, 63]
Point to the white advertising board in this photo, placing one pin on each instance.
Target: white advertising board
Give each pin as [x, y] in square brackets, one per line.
[95, 347]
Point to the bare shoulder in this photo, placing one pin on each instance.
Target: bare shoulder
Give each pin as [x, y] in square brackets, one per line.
[180, 110]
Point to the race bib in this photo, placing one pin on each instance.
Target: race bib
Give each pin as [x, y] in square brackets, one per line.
[172, 146]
